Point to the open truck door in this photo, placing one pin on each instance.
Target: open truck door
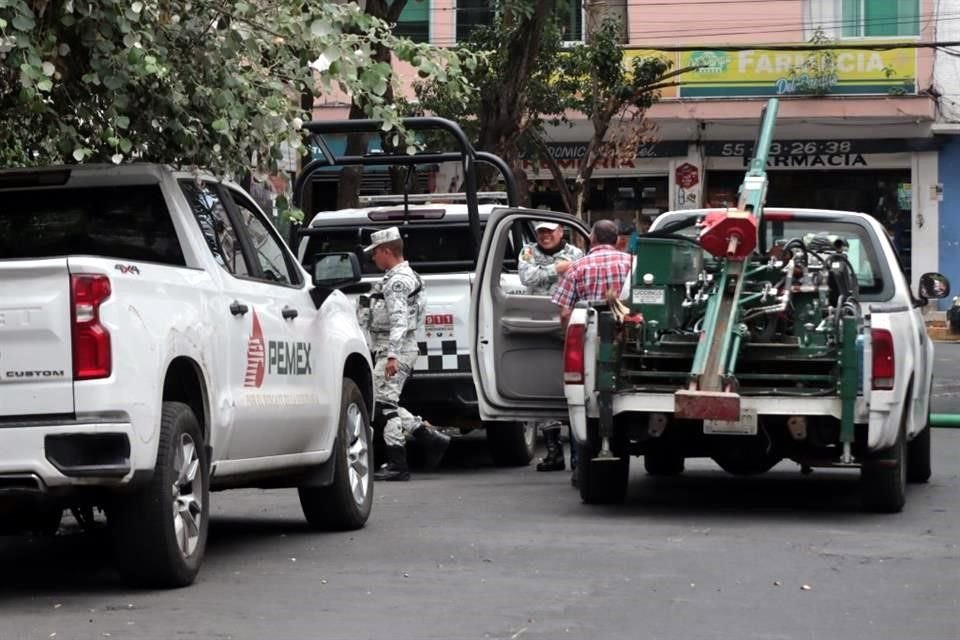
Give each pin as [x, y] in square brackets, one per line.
[516, 341]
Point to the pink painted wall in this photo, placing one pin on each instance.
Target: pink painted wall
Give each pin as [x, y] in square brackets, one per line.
[693, 22]
[699, 22]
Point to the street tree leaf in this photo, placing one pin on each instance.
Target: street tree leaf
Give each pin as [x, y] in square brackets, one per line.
[209, 84]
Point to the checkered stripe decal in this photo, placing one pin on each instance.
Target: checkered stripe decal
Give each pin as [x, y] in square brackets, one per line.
[449, 361]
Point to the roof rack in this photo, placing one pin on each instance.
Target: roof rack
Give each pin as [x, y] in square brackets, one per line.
[429, 198]
[465, 154]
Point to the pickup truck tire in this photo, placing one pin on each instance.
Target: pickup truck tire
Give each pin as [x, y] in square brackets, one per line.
[602, 482]
[345, 504]
[512, 444]
[918, 457]
[663, 464]
[883, 477]
[162, 534]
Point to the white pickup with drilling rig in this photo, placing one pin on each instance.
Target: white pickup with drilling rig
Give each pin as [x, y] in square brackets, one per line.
[747, 335]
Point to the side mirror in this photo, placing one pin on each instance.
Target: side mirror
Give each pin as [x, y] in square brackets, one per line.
[332, 270]
[934, 285]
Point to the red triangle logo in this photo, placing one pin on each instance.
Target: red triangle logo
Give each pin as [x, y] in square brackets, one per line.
[256, 355]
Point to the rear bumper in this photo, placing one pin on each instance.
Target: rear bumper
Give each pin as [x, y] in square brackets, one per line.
[439, 397]
[39, 456]
[879, 421]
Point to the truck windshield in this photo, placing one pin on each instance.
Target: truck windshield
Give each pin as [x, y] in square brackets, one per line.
[858, 245]
[129, 222]
[822, 235]
[430, 248]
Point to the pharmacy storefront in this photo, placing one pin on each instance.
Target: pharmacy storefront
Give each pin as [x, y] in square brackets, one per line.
[621, 187]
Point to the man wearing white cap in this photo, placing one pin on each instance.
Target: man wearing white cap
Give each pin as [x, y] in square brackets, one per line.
[540, 266]
[393, 312]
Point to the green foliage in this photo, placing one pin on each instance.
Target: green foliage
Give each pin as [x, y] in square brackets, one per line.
[818, 72]
[212, 83]
[586, 77]
[489, 55]
[589, 78]
[593, 79]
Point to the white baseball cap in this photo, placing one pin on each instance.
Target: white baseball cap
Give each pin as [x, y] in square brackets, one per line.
[380, 237]
[549, 226]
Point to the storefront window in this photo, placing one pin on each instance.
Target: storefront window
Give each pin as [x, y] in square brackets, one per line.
[636, 200]
[472, 14]
[414, 21]
[879, 18]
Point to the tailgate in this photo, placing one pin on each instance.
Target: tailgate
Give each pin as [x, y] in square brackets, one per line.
[36, 363]
[445, 342]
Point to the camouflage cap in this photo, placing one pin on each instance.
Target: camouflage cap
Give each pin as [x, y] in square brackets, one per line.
[380, 237]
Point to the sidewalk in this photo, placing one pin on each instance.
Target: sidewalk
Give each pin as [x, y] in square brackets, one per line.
[940, 332]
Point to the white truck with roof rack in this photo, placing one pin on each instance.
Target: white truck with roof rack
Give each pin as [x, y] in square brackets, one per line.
[442, 243]
[158, 340]
[437, 243]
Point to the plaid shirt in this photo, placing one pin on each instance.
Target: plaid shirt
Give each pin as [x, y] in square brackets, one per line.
[590, 277]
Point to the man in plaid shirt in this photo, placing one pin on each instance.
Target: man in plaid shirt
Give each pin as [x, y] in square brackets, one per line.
[590, 277]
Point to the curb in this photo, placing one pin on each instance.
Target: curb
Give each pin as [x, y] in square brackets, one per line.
[941, 333]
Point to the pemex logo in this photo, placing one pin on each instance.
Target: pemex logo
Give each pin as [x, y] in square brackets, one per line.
[256, 355]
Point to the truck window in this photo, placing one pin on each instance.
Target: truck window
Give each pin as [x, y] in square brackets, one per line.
[441, 248]
[124, 222]
[860, 249]
[215, 225]
[268, 250]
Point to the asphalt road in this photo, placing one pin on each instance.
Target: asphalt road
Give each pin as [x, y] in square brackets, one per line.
[946, 382]
[475, 552]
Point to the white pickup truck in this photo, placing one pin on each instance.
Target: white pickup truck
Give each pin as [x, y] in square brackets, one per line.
[158, 341]
[790, 377]
[439, 247]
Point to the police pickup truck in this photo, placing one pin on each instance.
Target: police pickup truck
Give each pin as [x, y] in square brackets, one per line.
[834, 364]
[159, 341]
[439, 247]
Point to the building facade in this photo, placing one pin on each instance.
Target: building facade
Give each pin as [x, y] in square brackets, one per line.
[858, 119]
[947, 130]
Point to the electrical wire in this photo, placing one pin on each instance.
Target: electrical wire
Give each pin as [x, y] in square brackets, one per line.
[757, 27]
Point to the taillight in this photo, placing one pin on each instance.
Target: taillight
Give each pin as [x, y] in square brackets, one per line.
[884, 363]
[573, 354]
[91, 340]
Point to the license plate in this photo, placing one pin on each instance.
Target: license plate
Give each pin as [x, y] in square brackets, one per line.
[745, 426]
[648, 296]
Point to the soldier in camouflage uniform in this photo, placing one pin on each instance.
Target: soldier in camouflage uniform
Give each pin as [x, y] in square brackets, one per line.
[541, 265]
[392, 313]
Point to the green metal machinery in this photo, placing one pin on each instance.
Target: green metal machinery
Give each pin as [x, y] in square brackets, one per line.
[734, 302]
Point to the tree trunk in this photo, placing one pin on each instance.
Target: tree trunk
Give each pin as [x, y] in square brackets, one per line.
[501, 113]
[351, 178]
[559, 180]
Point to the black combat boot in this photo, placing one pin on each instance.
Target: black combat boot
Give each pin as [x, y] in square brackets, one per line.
[553, 461]
[573, 459]
[433, 443]
[395, 469]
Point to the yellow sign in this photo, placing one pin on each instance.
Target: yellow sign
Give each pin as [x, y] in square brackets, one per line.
[767, 72]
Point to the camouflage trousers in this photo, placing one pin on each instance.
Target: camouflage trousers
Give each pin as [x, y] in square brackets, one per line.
[399, 421]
